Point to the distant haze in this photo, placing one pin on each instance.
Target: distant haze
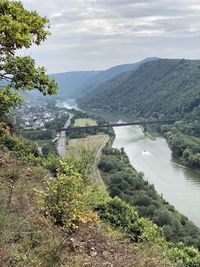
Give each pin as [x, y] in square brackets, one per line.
[98, 34]
[74, 84]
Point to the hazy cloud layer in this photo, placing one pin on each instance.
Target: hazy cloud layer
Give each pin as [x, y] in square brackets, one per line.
[96, 34]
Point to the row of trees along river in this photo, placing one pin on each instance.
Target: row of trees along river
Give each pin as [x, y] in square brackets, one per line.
[179, 185]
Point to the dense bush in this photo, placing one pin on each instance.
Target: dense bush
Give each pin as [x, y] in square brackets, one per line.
[121, 215]
[184, 142]
[57, 123]
[125, 183]
[38, 134]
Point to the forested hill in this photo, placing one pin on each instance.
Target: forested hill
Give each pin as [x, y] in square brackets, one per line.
[113, 72]
[165, 87]
[77, 83]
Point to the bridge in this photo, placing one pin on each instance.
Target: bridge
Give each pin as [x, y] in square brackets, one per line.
[144, 123]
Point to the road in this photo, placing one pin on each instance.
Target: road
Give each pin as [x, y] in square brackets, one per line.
[61, 143]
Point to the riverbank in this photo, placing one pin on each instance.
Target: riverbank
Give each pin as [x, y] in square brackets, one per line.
[124, 181]
[148, 134]
[179, 185]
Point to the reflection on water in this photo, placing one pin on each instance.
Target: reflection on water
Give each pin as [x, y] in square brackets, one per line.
[178, 184]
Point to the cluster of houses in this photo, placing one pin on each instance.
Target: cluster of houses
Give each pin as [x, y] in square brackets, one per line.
[34, 114]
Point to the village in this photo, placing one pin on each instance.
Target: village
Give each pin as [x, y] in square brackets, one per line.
[35, 114]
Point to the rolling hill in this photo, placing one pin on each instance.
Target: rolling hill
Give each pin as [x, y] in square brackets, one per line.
[77, 83]
[71, 83]
[165, 87]
[113, 72]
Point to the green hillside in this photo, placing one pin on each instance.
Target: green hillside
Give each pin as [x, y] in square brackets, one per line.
[168, 88]
[63, 221]
[76, 83]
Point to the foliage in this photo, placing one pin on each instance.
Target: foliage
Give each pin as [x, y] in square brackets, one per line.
[121, 215]
[38, 134]
[83, 162]
[124, 217]
[20, 146]
[8, 99]
[167, 87]
[57, 123]
[27, 151]
[183, 256]
[60, 227]
[20, 28]
[49, 148]
[185, 142]
[125, 183]
[164, 88]
[4, 128]
[64, 199]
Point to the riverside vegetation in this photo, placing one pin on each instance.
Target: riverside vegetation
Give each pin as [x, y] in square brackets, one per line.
[126, 183]
[50, 213]
[64, 219]
[163, 88]
[61, 211]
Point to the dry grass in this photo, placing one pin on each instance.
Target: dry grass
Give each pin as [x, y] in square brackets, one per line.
[94, 144]
[29, 239]
[98, 248]
[91, 142]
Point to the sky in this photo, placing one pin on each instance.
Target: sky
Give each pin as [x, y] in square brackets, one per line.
[98, 34]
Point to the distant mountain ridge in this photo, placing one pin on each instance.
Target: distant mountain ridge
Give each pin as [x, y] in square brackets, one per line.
[164, 87]
[113, 72]
[77, 83]
[71, 83]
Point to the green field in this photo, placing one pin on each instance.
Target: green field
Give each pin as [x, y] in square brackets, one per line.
[84, 122]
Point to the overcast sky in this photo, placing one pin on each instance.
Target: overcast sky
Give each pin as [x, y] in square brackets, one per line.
[98, 34]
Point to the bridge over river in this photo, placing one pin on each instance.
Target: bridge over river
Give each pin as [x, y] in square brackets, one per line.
[144, 123]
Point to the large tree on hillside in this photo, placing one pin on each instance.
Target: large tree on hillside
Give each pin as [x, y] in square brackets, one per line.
[20, 28]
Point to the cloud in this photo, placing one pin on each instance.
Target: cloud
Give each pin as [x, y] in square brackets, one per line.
[95, 34]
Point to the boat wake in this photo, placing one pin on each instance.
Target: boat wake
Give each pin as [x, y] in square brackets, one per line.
[146, 152]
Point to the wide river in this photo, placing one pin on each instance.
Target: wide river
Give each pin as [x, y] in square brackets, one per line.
[179, 185]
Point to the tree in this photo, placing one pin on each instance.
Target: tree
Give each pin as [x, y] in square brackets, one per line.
[20, 28]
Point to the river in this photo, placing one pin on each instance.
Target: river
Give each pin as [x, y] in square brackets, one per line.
[179, 185]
